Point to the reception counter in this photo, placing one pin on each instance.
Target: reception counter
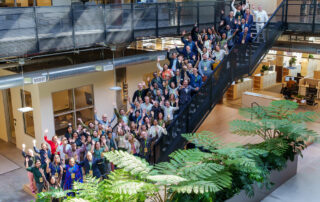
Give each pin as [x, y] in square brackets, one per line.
[260, 99]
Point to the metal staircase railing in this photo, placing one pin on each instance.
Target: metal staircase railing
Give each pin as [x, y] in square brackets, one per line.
[241, 61]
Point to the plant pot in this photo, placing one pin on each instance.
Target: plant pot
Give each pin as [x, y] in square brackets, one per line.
[277, 177]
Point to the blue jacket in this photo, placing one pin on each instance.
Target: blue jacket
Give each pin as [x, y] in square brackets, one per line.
[55, 169]
[94, 167]
[195, 81]
[192, 45]
[42, 154]
[187, 55]
[247, 39]
[230, 22]
[250, 19]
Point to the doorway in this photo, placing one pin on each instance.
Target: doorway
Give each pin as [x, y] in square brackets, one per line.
[10, 120]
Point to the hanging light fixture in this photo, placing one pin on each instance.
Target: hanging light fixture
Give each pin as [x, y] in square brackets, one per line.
[24, 108]
[115, 87]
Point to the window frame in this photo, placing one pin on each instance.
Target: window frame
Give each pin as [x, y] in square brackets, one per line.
[24, 104]
[74, 110]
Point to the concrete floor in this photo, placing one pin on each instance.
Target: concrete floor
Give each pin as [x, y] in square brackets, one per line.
[11, 183]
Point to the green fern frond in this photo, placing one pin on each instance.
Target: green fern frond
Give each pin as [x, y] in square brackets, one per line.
[88, 189]
[200, 187]
[277, 146]
[130, 163]
[256, 112]
[204, 139]
[121, 182]
[52, 193]
[304, 117]
[166, 179]
[244, 128]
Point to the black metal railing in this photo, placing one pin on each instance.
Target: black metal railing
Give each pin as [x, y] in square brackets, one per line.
[240, 62]
[303, 16]
[35, 30]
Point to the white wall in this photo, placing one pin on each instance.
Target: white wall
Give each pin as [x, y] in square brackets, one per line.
[21, 137]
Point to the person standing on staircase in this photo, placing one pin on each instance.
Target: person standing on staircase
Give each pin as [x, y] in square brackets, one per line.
[261, 17]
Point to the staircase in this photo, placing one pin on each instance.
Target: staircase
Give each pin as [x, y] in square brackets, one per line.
[241, 62]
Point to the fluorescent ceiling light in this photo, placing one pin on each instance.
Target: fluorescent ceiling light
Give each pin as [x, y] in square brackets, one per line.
[115, 88]
[25, 109]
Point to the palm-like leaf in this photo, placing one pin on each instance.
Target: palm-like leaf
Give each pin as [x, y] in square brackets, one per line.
[88, 189]
[121, 182]
[130, 163]
[203, 139]
[199, 170]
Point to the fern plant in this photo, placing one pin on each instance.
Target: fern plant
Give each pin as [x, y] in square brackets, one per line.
[51, 194]
[279, 120]
[237, 160]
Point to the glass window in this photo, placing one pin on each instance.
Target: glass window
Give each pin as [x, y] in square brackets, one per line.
[28, 122]
[83, 97]
[61, 123]
[85, 115]
[62, 101]
[71, 104]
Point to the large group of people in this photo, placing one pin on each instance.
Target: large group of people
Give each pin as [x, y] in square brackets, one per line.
[153, 106]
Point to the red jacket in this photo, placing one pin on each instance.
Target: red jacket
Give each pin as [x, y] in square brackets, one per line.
[52, 145]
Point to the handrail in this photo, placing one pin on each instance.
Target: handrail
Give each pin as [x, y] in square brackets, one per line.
[252, 105]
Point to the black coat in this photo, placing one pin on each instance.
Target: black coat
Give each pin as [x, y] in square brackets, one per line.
[138, 94]
[95, 169]
[185, 95]
[171, 60]
[230, 22]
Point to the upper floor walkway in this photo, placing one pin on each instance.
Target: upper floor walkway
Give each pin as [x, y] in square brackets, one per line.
[37, 30]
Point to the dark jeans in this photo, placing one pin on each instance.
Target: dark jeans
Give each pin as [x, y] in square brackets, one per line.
[40, 186]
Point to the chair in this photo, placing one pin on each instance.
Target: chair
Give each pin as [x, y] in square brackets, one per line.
[311, 101]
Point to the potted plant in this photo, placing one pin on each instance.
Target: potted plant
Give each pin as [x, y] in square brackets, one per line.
[263, 69]
[292, 61]
[311, 56]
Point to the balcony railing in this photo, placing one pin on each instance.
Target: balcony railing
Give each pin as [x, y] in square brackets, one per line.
[35, 30]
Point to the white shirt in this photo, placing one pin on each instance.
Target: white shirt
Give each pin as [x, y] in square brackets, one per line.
[261, 16]
[153, 132]
[169, 111]
[219, 55]
[146, 107]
